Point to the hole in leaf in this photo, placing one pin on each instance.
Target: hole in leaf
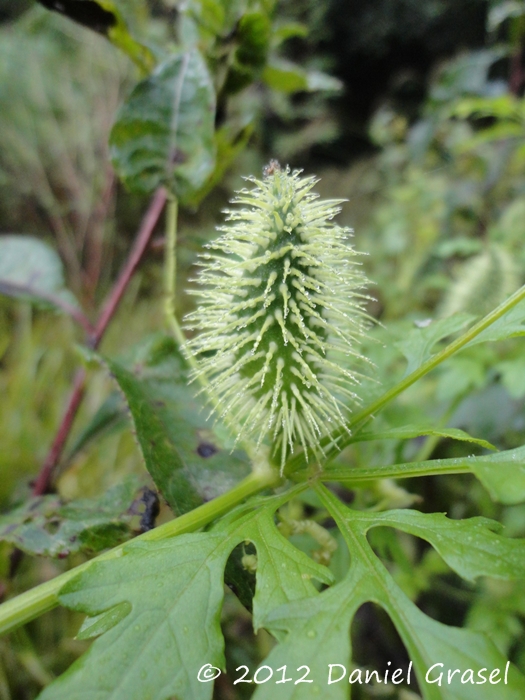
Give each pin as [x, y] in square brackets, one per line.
[239, 574]
[375, 642]
[422, 574]
[242, 647]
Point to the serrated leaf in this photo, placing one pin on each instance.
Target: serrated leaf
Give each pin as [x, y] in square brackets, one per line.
[174, 589]
[30, 269]
[164, 133]
[319, 634]
[502, 474]
[284, 573]
[419, 343]
[46, 526]
[408, 432]
[470, 547]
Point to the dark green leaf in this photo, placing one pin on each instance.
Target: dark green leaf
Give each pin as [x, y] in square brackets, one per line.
[164, 134]
[187, 457]
[46, 526]
[253, 37]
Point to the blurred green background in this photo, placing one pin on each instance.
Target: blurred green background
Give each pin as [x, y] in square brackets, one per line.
[423, 132]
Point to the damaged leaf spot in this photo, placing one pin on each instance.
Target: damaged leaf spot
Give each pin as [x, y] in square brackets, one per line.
[206, 449]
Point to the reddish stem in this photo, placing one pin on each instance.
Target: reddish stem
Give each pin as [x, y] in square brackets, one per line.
[141, 242]
[517, 76]
[144, 233]
[44, 477]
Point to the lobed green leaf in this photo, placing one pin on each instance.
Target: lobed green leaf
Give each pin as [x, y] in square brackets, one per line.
[159, 605]
[319, 634]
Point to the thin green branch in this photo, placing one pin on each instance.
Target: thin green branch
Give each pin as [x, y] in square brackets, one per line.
[170, 284]
[337, 441]
[355, 476]
[41, 599]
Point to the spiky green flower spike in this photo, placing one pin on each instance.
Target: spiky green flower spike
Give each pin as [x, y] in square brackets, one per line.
[280, 309]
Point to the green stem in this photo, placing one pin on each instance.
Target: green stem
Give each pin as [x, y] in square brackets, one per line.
[355, 476]
[42, 598]
[170, 277]
[170, 270]
[340, 439]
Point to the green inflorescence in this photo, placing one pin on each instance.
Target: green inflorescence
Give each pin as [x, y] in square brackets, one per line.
[280, 311]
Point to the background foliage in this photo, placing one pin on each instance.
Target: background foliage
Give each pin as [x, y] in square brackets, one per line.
[414, 112]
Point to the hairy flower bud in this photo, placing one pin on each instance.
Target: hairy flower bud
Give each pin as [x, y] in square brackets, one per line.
[280, 312]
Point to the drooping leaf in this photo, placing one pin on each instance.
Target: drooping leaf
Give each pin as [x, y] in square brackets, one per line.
[187, 456]
[46, 526]
[173, 591]
[502, 474]
[32, 270]
[318, 634]
[164, 133]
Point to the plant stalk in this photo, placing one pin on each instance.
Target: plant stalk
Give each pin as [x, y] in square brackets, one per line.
[42, 598]
[143, 237]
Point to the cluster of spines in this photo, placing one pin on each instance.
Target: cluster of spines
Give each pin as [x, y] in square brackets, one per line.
[280, 310]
